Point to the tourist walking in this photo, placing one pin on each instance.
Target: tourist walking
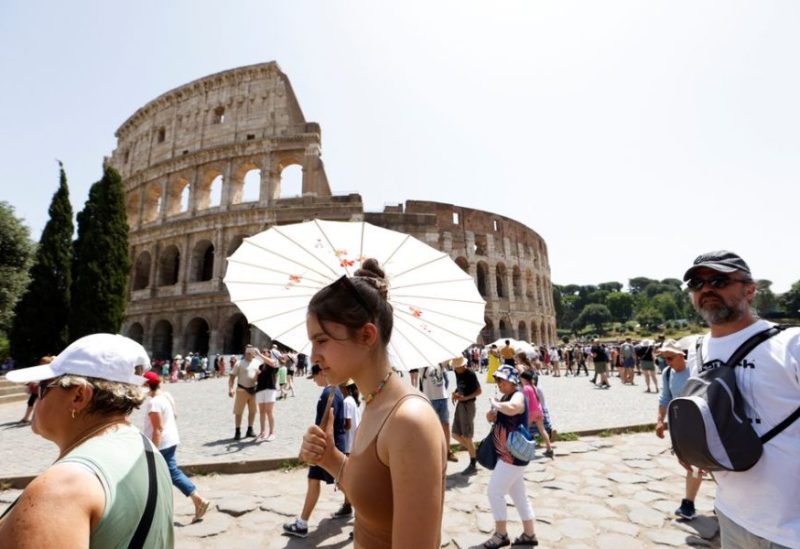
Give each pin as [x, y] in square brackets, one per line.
[244, 374]
[673, 379]
[316, 474]
[161, 427]
[266, 394]
[535, 410]
[433, 384]
[85, 398]
[468, 388]
[397, 501]
[507, 477]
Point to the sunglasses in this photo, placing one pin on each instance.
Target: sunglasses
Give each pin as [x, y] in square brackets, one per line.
[717, 282]
[46, 385]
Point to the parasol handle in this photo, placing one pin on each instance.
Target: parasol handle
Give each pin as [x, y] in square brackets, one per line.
[327, 412]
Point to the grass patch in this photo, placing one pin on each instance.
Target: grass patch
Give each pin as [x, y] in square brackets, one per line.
[290, 465]
[567, 437]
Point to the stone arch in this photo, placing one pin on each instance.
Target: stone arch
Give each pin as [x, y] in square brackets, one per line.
[529, 284]
[162, 340]
[141, 271]
[169, 265]
[522, 331]
[516, 276]
[197, 337]
[463, 263]
[178, 196]
[152, 202]
[234, 243]
[487, 333]
[501, 274]
[291, 181]
[505, 328]
[202, 261]
[536, 336]
[136, 332]
[132, 209]
[483, 278]
[236, 335]
[209, 191]
[246, 184]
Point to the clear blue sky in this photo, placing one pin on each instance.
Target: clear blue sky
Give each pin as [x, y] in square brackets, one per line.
[631, 135]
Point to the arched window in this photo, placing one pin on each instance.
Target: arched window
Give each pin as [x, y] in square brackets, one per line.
[291, 184]
[141, 271]
[135, 332]
[487, 334]
[516, 275]
[500, 278]
[132, 209]
[178, 199]
[237, 335]
[202, 261]
[197, 336]
[483, 275]
[463, 263]
[522, 331]
[162, 340]
[529, 284]
[169, 266]
[152, 202]
[215, 192]
[251, 187]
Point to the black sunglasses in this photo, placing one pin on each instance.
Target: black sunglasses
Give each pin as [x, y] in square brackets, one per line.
[46, 385]
[717, 282]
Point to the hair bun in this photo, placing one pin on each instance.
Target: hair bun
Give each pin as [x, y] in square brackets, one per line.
[371, 272]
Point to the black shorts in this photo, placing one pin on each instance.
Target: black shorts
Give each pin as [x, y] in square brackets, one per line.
[318, 473]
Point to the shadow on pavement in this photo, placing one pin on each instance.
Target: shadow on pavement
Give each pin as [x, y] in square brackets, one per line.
[15, 424]
[456, 480]
[328, 528]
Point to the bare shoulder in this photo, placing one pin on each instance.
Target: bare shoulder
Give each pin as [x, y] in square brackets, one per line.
[414, 425]
[67, 482]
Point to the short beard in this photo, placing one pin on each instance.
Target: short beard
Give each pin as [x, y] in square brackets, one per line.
[721, 312]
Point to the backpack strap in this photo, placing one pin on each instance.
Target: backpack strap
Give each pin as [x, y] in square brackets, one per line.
[780, 427]
[143, 528]
[753, 342]
[698, 353]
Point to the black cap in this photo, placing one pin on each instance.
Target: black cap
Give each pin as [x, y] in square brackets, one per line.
[722, 261]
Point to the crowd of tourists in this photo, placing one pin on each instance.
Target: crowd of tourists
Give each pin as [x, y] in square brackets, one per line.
[111, 484]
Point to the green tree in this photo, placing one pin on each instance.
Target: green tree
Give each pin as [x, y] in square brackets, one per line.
[649, 317]
[765, 301]
[620, 304]
[16, 251]
[595, 314]
[666, 305]
[790, 301]
[101, 260]
[40, 319]
[638, 284]
[610, 286]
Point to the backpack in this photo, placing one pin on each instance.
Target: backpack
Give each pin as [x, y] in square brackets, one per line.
[707, 424]
[627, 350]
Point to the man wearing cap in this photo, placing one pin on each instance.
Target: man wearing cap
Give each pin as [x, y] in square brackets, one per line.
[673, 378]
[758, 507]
[468, 388]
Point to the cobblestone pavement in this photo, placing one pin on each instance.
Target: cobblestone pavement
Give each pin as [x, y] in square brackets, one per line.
[617, 492]
[205, 420]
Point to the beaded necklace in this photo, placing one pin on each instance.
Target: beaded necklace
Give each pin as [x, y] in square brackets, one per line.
[379, 388]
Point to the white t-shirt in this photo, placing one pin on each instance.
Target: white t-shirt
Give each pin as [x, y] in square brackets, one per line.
[352, 413]
[432, 379]
[764, 499]
[163, 404]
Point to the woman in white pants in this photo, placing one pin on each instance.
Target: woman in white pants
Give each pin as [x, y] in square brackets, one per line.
[507, 477]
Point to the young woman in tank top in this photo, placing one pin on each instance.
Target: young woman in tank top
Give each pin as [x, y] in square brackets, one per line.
[394, 476]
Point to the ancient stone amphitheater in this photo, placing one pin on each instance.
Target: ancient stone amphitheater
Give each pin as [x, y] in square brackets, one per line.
[203, 167]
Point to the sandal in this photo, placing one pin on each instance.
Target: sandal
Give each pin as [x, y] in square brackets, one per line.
[497, 540]
[526, 540]
[200, 511]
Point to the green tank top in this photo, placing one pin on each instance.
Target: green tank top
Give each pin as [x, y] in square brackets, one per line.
[118, 459]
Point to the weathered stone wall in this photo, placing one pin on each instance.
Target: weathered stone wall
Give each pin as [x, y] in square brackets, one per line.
[202, 169]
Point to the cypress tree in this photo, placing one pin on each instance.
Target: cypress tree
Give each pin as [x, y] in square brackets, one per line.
[101, 260]
[40, 320]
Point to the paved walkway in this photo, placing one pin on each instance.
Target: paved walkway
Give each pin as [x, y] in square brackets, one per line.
[617, 492]
[205, 420]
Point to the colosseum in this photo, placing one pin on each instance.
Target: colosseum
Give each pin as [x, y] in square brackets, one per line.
[203, 167]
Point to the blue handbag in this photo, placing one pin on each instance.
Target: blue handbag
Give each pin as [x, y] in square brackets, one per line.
[519, 442]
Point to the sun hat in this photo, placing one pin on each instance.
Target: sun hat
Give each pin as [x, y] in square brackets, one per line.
[102, 356]
[508, 373]
[722, 261]
[458, 362]
[671, 346]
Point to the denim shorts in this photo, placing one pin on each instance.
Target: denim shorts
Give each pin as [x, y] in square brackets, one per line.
[441, 409]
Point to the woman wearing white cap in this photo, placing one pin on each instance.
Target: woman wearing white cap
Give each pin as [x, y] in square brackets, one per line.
[507, 477]
[108, 487]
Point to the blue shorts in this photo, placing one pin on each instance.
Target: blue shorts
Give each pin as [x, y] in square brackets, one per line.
[628, 362]
[441, 409]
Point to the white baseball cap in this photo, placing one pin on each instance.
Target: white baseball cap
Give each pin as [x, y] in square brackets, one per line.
[102, 356]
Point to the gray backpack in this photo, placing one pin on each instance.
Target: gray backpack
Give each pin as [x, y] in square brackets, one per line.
[707, 424]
